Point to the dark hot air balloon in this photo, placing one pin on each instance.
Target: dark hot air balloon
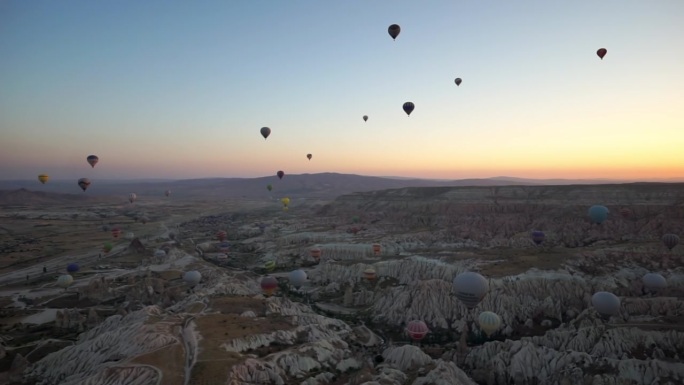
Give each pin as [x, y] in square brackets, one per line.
[269, 285]
[670, 241]
[280, 174]
[458, 81]
[408, 108]
[265, 132]
[538, 237]
[309, 156]
[43, 178]
[394, 31]
[602, 52]
[83, 183]
[365, 118]
[92, 160]
[598, 214]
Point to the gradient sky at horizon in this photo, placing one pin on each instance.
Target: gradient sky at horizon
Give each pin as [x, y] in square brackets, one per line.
[178, 89]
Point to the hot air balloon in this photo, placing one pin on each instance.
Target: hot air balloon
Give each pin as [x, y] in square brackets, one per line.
[159, 253]
[625, 213]
[83, 183]
[270, 265]
[265, 132]
[309, 156]
[285, 202]
[269, 187]
[376, 249]
[92, 160]
[365, 118]
[470, 288]
[606, 304]
[654, 281]
[280, 174]
[167, 192]
[394, 31]
[132, 197]
[417, 330]
[408, 108]
[269, 285]
[297, 278]
[65, 281]
[192, 277]
[602, 52]
[107, 247]
[489, 322]
[458, 81]
[369, 274]
[43, 178]
[538, 237]
[73, 267]
[224, 247]
[670, 241]
[221, 235]
[598, 214]
[315, 254]
[116, 232]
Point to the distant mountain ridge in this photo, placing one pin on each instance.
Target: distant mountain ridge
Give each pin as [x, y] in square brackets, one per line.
[320, 185]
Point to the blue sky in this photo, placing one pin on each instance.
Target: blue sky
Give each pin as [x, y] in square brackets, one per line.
[176, 89]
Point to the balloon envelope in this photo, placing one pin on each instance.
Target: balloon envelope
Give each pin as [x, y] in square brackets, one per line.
[92, 160]
[160, 253]
[43, 178]
[309, 156]
[408, 108]
[602, 52]
[605, 303]
[394, 30]
[132, 197]
[280, 174]
[654, 281]
[598, 214]
[83, 183]
[538, 237]
[670, 241]
[65, 280]
[73, 267]
[269, 284]
[365, 118]
[265, 132]
[417, 330]
[192, 277]
[458, 81]
[369, 274]
[297, 277]
[489, 322]
[470, 288]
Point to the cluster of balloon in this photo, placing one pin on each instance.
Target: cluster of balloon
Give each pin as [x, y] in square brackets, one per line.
[537, 237]
[297, 278]
[192, 277]
[417, 330]
[670, 241]
[73, 268]
[606, 304]
[270, 265]
[489, 322]
[376, 249]
[654, 282]
[598, 214]
[315, 254]
[64, 281]
[470, 288]
[221, 235]
[132, 197]
[269, 285]
[286, 203]
[369, 274]
[116, 232]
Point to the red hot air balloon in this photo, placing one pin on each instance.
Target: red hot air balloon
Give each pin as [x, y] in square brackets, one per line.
[394, 31]
[269, 285]
[221, 235]
[116, 232]
[408, 108]
[602, 52]
[280, 174]
[315, 254]
[417, 330]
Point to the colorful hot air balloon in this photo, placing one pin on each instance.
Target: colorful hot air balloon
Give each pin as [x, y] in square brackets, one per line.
[192, 277]
[598, 214]
[670, 241]
[43, 178]
[92, 160]
[280, 174]
[270, 265]
[265, 132]
[365, 118]
[376, 249]
[606, 304]
[221, 235]
[285, 202]
[309, 156]
[369, 274]
[602, 52]
[297, 278]
[458, 81]
[394, 31]
[73, 267]
[408, 108]
[269, 187]
[654, 281]
[132, 197]
[116, 232]
[489, 322]
[65, 280]
[470, 288]
[315, 254]
[83, 183]
[269, 285]
[538, 237]
[417, 330]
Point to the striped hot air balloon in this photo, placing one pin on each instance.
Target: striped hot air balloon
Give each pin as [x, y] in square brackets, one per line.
[489, 322]
[670, 241]
[417, 330]
[470, 288]
[221, 235]
[270, 265]
[269, 285]
[369, 274]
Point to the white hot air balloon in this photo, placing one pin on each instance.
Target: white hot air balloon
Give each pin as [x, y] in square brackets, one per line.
[132, 197]
[606, 304]
[64, 281]
[654, 281]
[297, 278]
[192, 278]
[489, 322]
[470, 288]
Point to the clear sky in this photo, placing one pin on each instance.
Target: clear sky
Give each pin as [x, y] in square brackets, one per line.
[180, 89]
